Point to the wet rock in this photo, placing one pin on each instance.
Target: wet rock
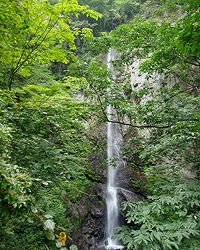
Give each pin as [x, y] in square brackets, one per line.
[91, 210]
[89, 233]
[126, 195]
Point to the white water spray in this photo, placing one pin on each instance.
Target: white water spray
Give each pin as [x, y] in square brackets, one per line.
[113, 150]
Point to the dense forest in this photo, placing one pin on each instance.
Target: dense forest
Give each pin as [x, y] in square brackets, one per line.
[53, 100]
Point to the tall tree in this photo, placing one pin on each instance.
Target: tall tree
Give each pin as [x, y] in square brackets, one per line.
[37, 31]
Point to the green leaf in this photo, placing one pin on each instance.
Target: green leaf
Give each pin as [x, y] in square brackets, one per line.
[73, 247]
[30, 221]
[34, 210]
[48, 216]
[49, 225]
[50, 235]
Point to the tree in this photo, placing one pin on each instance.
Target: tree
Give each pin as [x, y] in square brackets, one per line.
[167, 221]
[165, 44]
[43, 162]
[43, 157]
[37, 31]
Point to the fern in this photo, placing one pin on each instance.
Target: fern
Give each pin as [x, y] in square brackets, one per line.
[169, 221]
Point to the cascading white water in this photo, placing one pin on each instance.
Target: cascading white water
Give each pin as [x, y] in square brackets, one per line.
[113, 150]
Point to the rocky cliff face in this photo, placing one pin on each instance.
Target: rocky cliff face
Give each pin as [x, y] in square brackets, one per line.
[91, 208]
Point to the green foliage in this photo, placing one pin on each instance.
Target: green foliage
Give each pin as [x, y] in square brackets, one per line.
[167, 221]
[37, 31]
[43, 162]
[114, 13]
[163, 44]
[44, 144]
[73, 247]
[15, 186]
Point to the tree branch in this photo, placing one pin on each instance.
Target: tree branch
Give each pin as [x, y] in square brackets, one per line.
[38, 42]
[124, 123]
[139, 126]
[101, 104]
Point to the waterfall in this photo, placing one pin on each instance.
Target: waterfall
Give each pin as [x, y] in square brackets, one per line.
[113, 150]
